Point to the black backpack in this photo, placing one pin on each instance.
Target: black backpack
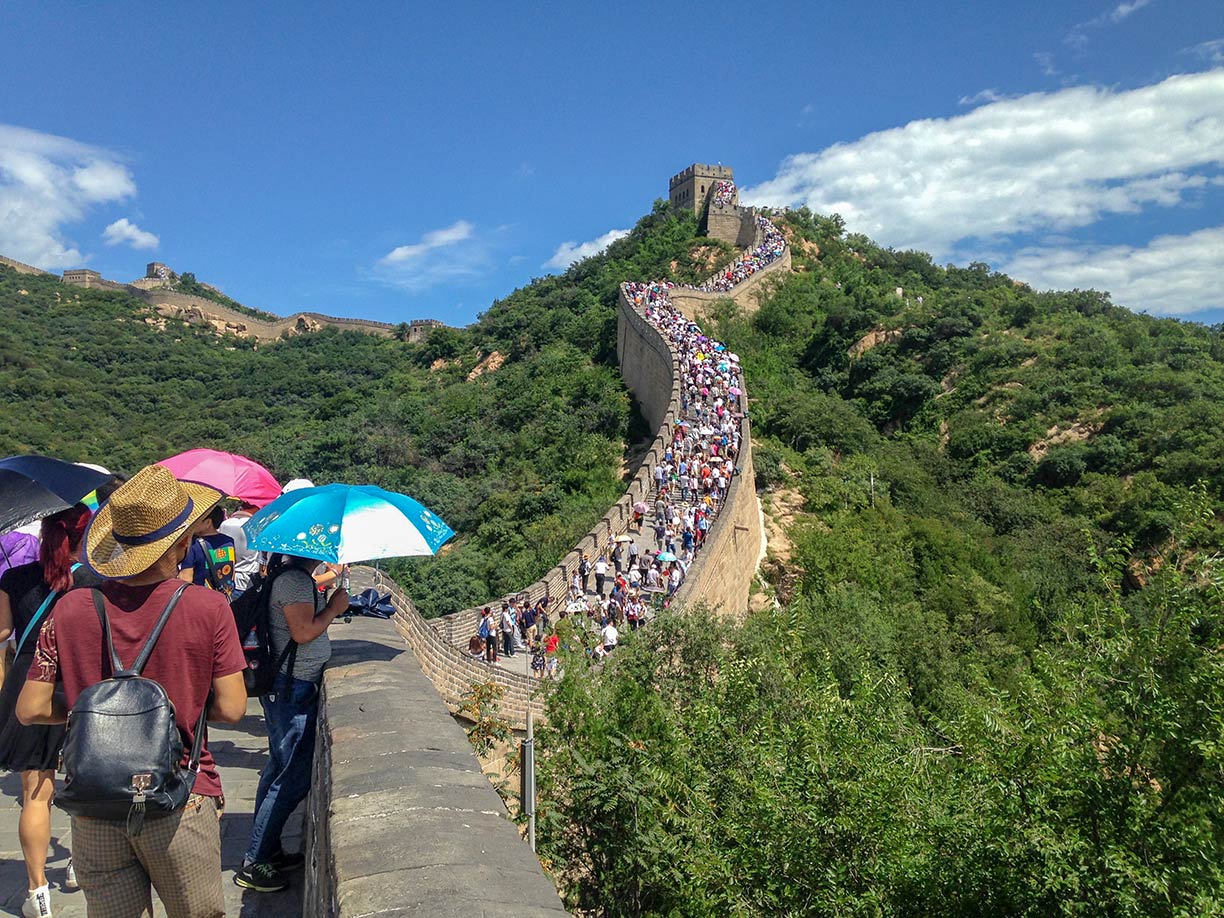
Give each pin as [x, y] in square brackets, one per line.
[251, 611]
[216, 580]
[122, 754]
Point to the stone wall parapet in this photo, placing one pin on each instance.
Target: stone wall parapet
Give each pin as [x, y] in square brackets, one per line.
[22, 268]
[401, 819]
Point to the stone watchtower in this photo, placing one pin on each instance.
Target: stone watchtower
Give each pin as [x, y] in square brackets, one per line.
[710, 193]
[688, 190]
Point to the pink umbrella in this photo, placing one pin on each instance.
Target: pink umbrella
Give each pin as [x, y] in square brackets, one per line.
[235, 476]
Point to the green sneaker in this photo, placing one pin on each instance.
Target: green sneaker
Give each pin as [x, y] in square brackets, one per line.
[261, 878]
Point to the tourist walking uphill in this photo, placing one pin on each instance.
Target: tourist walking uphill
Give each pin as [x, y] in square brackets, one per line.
[639, 569]
[772, 245]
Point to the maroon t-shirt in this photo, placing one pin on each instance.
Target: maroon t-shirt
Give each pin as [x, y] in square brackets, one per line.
[199, 644]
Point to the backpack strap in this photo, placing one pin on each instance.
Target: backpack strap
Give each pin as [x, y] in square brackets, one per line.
[208, 565]
[38, 615]
[143, 657]
[197, 742]
[201, 727]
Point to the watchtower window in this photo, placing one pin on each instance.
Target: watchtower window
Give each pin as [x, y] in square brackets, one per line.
[703, 189]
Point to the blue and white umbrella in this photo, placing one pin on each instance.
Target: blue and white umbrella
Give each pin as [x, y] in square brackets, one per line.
[345, 524]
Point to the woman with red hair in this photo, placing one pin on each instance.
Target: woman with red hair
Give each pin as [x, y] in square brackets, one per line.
[28, 594]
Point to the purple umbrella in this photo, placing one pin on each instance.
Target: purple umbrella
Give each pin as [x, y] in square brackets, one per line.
[16, 549]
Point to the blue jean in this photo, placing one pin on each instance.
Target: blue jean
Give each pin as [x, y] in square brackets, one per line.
[291, 712]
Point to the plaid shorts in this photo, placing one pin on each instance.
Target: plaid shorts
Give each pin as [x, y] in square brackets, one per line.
[178, 855]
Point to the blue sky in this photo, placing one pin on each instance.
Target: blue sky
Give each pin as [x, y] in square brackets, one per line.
[397, 161]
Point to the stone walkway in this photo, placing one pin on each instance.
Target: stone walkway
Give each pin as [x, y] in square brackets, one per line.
[240, 752]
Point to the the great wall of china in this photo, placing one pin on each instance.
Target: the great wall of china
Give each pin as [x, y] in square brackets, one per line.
[391, 765]
[722, 573]
[198, 310]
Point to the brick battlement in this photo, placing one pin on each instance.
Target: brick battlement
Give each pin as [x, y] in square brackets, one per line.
[22, 268]
[718, 172]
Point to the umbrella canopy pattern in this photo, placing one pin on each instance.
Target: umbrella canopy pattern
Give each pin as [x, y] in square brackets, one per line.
[232, 475]
[16, 549]
[32, 487]
[345, 524]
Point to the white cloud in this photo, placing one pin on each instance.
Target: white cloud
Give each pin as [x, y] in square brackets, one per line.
[47, 183]
[1077, 37]
[1170, 275]
[569, 252]
[986, 95]
[125, 231]
[438, 258]
[1122, 10]
[1039, 163]
[1045, 60]
[459, 231]
[1210, 51]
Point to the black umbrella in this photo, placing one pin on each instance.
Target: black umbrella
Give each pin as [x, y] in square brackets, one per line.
[32, 487]
[371, 603]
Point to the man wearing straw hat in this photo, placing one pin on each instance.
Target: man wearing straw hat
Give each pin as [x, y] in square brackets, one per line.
[136, 541]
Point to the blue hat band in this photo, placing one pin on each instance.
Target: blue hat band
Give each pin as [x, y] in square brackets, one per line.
[157, 534]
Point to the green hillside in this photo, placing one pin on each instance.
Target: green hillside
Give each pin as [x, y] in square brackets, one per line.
[520, 461]
[986, 676]
[993, 683]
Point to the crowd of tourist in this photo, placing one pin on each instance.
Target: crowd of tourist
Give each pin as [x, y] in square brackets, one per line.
[723, 194]
[110, 571]
[691, 481]
[626, 581]
[770, 249]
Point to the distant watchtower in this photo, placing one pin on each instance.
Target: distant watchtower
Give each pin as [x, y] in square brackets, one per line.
[710, 193]
[689, 189]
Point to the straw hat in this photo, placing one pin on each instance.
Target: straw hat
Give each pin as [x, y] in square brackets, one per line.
[142, 519]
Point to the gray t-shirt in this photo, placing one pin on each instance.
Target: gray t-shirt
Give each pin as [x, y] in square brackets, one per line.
[290, 587]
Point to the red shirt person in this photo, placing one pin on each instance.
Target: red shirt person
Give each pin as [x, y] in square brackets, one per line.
[137, 540]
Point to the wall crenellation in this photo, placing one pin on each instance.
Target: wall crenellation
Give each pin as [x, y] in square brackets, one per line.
[710, 193]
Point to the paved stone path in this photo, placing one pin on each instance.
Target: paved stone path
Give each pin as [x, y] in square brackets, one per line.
[240, 752]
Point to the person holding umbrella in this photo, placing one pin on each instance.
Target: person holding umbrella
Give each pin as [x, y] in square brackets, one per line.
[336, 524]
[28, 594]
[298, 623]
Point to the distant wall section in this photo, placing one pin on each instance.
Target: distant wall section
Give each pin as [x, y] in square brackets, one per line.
[22, 268]
[199, 310]
[747, 295]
